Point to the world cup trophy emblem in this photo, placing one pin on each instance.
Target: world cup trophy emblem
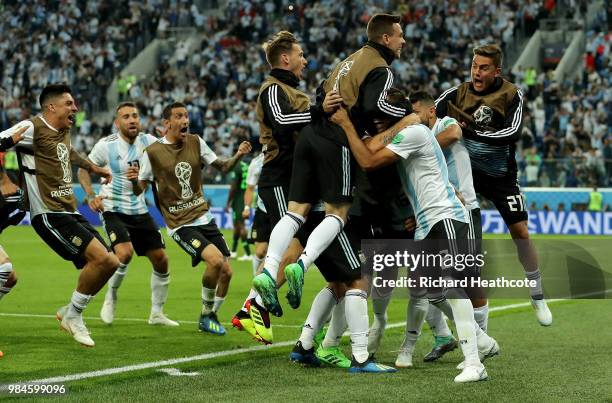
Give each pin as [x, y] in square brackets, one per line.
[183, 174]
[63, 156]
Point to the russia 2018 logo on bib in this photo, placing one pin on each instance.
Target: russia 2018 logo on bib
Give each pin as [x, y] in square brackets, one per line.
[182, 170]
[483, 115]
[63, 155]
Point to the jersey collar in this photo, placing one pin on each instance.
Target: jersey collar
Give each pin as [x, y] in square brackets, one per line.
[384, 51]
[286, 77]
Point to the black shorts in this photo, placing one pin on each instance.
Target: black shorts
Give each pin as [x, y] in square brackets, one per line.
[505, 194]
[138, 229]
[340, 262]
[67, 234]
[322, 170]
[275, 200]
[474, 230]
[450, 237]
[261, 228]
[194, 239]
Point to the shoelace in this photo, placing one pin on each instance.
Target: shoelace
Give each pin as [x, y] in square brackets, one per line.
[79, 326]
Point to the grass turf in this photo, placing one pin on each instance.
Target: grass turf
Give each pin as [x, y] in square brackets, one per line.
[568, 361]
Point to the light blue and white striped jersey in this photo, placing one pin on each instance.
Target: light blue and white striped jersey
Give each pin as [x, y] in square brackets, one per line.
[253, 174]
[458, 163]
[118, 155]
[424, 176]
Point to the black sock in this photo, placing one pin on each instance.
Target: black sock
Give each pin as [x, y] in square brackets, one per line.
[235, 242]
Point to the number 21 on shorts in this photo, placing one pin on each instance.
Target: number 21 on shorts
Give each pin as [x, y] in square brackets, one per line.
[516, 202]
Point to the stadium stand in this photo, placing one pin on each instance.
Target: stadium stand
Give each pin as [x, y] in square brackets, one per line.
[566, 139]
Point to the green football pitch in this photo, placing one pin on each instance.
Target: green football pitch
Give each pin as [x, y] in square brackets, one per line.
[133, 361]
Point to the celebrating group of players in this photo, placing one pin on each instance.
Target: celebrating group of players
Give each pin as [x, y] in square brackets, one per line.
[363, 162]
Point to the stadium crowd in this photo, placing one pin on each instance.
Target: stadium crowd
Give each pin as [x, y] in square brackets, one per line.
[566, 137]
[82, 43]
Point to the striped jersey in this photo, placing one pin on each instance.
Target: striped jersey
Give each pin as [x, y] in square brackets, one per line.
[493, 121]
[458, 164]
[424, 177]
[118, 155]
[253, 174]
[41, 168]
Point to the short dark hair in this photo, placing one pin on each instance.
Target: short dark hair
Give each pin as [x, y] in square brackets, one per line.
[423, 97]
[280, 43]
[52, 91]
[397, 97]
[381, 24]
[491, 51]
[167, 113]
[125, 105]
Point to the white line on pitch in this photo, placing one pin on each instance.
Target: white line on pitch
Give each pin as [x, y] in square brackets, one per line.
[36, 315]
[208, 356]
[155, 364]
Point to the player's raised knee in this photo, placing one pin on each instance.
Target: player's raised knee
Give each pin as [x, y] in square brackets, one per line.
[109, 261]
[215, 262]
[226, 271]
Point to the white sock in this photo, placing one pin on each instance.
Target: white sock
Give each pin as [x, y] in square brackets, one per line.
[115, 281]
[208, 300]
[255, 261]
[443, 305]
[320, 310]
[463, 313]
[535, 292]
[481, 315]
[252, 294]
[337, 326]
[483, 340]
[217, 303]
[356, 313]
[280, 238]
[259, 300]
[415, 317]
[437, 323]
[320, 238]
[379, 306]
[78, 303]
[159, 291]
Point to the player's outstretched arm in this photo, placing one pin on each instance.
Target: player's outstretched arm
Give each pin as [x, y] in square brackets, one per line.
[382, 139]
[226, 165]
[82, 162]
[21, 132]
[367, 159]
[14, 138]
[249, 194]
[95, 202]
